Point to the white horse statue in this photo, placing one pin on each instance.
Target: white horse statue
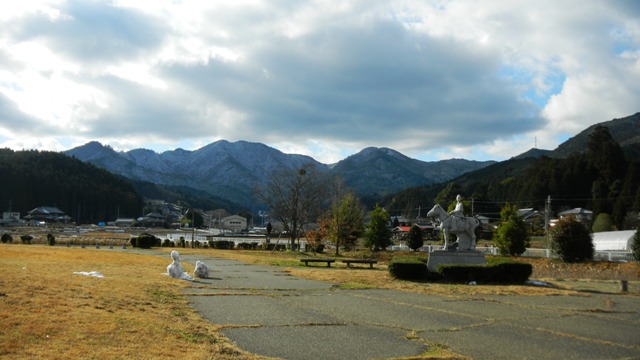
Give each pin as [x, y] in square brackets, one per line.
[463, 227]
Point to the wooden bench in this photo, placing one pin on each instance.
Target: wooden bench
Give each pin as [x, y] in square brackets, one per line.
[360, 261]
[328, 261]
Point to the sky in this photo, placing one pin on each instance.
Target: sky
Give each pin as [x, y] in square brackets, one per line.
[434, 80]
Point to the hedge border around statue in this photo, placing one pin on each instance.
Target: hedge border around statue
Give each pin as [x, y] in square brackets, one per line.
[497, 271]
[408, 268]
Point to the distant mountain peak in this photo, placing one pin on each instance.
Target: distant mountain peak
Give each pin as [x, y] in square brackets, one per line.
[236, 168]
[533, 153]
[377, 151]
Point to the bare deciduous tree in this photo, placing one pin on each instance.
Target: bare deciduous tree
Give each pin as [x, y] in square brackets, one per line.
[295, 198]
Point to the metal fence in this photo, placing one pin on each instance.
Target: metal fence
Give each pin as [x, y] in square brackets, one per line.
[622, 256]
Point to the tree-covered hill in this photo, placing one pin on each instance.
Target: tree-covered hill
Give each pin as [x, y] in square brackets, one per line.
[30, 179]
[603, 177]
[184, 195]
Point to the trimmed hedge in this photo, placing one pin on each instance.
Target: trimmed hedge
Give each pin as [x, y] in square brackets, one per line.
[461, 272]
[168, 243]
[502, 270]
[222, 244]
[26, 239]
[408, 268]
[277, 247]
[6, 238]
[496, 271]
[247, 246]
[145, 241]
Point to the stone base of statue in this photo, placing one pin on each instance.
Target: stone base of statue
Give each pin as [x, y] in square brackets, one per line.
[468, 257]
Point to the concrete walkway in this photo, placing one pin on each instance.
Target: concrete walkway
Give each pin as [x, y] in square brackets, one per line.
[270, 313]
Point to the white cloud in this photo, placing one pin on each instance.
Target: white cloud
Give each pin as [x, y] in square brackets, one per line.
[322, 78]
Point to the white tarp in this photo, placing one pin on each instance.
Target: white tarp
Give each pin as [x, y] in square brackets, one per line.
[613, 240]
[89, 273]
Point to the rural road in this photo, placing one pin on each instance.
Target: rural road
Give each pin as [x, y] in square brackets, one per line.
[268, 312]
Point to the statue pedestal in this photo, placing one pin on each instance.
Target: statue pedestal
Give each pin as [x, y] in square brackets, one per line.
[470, 257]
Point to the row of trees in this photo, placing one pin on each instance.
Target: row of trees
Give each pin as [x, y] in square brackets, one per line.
[305, 196]
[570, 238]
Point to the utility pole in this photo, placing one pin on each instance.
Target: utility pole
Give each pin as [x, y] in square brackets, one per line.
[547, 216]
[472, 204]
[193, 226]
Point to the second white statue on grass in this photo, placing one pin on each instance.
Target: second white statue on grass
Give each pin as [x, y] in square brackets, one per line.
[201, 270]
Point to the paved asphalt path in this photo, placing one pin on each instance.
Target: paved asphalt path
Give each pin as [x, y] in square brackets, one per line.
[268, 312]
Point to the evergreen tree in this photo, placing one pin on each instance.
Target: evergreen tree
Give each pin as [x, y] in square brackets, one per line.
[607, 158]
[416, 239]
[635, 247]
[346, 222]
[603, 222]
[512, 236]
[571, 240]
[378, 234]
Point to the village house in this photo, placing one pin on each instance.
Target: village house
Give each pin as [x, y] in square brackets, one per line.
[48, 215]
[580, 214]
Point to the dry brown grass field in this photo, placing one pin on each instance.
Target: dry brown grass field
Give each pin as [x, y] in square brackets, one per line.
[133, 312]
[137, 312]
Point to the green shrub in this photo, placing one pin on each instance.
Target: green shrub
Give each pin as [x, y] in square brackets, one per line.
[6, 238]
[416, 240]
[501, 270]
[247, 246]
[603, 222]
[461, 272]
[277, 247]
[146, 241]
[635, 246]
[408, 268]
[221, 244]
[319, 248]
[51, 240]
[168, 243]
[26, 239]
[571, 240]
[498, 270]
[511, 236]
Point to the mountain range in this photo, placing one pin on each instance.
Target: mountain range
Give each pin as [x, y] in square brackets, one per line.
[233, 170]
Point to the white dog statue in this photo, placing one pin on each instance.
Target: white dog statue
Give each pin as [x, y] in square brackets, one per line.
[175, 269]
[201, 270]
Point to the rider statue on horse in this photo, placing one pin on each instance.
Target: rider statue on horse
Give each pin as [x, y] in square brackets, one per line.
[456, 223]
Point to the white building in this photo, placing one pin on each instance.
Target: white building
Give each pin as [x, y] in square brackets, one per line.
[11, 218]
[613, 240]
[234, 223]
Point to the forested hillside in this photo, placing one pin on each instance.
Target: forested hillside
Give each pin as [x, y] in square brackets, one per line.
[29, 179]
[600, 178]
[184, 195]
